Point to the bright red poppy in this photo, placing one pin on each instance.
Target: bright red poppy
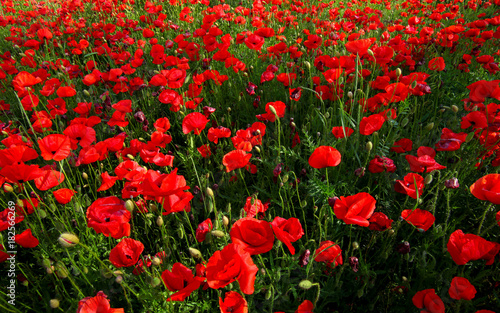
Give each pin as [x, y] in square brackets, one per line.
[379, 221]
[233, 302]
[358, 46]
[421, 219]
[287, 231]
[64, 195]
[469, 247]
[324, 156]
[236, 159]
[26, 239]
[108, 216]
[278, 106]
[356, 209]
[126, 253]
[437, 64]
[55, 147]
[402, 145]
[429, 301]
[371, 124]
[305, 307]
[194, 121]
[203, 229]
[182, 280]
[230, 264]
[96, 304]
[410, 185]
[342, 132]
[381, 164]
[256, 236]
[487, 188]
[254, 206]
[329, 252]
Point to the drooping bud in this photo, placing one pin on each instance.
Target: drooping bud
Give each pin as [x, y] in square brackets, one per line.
[428, 179]
[218, 233]
[130, 205]
[354, 263]
[304, 258]
[195, 253]
[305, 284]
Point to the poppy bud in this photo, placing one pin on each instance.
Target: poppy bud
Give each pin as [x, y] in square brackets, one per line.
[428, 179]
[304, 258]
[404, 279]
[308, 65]
[454, 108]
[8, 188]
[442, 110]
[68, 240]
[469, 137]
[398, 72]
[210, 192]
[54, 303]
[119, 279]
[225, 221]
[85, 176]
[405, 122]
[350, 95]
[155, 282]
[429, 126]
[195, 253]
[257, 149]
[153, 207]
[355, 245]
[218, 233]
[331, 201]
[403, 248]
[156, 261]
[159, 221]
[305, 284]
[452, 183]
[61, 270]
[130, 205]
[354, 263]
[86, 92]
[269, 294]
[369, 146]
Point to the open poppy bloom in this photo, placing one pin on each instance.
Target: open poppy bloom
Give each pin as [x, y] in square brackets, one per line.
[324, 156]
[329, 252]
[342, 132]
[371, 124]
[234, 303]
[487, 188]
[419, 218]
[26, 239]
[256, 236]
[108, 216]
[410, 185]
[55, 147]
[379, 221]
[194, 121]
[236, 159]
[180, 279]
[429, 301]
[287, 231]
[99, 303]
[64, 195]
[469, 247]
[126, 253]
[461, 288]
[356, 209]
[278, 107]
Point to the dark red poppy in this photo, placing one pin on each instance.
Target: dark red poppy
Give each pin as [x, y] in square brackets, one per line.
[287, 231]
[26, 239]
[379, 221]
[108, 216]
[429, 301]
[126, 253]
[182, 280]
[381, 164]
[230, 264]
[402, 145]
[450, 141]
[203, 229]
[324, 156]
[194, 121]
[233, 302]
[437, 64]
[483, 89]
[461, 288]
[425, 161]
[356, 209]
[469, 247]
[421, 219]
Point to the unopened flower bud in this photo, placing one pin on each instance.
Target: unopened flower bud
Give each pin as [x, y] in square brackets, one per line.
[85, 176]
[428, 179]
[350, 95]
[355, 245]
[454, 108]
[218, 233]
[8, 188]
[195, 253]
[159, 221]
[308, 65]
[119, 279]
[86, 92]
[398, 72]
[452, 183]
[429, 126]
[225, 221]
[369, 146]
[68, 240]
[54, 303]
[130, 205]
[305, 284]
[156, 261]
[210, 192]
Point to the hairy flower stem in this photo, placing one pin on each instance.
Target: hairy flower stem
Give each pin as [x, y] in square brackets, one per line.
[484, 216]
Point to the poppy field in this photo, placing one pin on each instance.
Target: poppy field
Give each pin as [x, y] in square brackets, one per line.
[250, 156]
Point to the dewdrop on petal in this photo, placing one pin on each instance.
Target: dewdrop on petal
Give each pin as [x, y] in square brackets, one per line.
[67, 240]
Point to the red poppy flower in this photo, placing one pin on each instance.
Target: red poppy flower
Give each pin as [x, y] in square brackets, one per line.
[19, 173]
[429, 301]
[99, 303]
[126, 253]
[17, 154]
[342, 132]
[329, 252]
[358, 46]
[79, 133]
[230, 264]
[437, 64]
[461, 288]
[254, 206]
[287, 231]
[108, 216]
[402, 145]
[313, 42]
[483, 89]
[246, 139]
[254, 42]
[469, 247]
[487, 188]
[66, 92]
[356, 209]
[50, 178]
[410, 185]
[450, 141]
[55, 147]
[279, 108]
[26, 239]
[203, 229]
[371, 124]
[381, 164]
[194, 121]
[107, 181]
[5, 218]
[233, 302]
[169, 96]
[254, 235]
[421, 219]
[425, 161]
[63, 196]
[214, 133]
[180, 279]
[324, 156]
[379, 221]
[305, 307]
[396, 92]
[162, 124]
[235, 159]
[476, 119]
